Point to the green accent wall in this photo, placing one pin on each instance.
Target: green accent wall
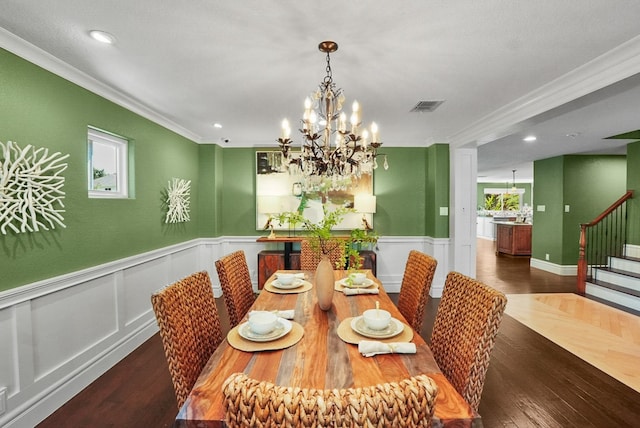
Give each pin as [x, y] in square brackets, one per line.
[207, 169]
[588, 184]
[437, 191]
[44, 110]
[548, 179]
[409, 194]
[633, 183]
[237, 188]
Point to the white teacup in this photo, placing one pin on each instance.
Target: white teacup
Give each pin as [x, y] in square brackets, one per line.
[262, 322]
[376, 319]
[357, 277]
[285, 278]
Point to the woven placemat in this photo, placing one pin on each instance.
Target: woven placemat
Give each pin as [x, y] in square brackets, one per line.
[346, 333]
[290, 339]
[339, 287]
[306, 286]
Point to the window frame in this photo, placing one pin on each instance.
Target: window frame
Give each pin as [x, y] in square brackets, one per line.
[121, 147]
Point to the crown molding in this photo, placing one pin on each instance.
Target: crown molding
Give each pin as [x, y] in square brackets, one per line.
[41, 58]
[611, 67]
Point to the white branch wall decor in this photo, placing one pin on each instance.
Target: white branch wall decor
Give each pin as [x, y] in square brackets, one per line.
[31, 185]
[178, 200]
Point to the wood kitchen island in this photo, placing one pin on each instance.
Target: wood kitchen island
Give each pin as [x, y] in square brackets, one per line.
[513, 238]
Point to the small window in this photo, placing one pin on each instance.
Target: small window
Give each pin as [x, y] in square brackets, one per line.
[108, 155]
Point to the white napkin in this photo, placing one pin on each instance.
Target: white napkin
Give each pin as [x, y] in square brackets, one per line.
[286, 314]
[354, 291]
[369, 348]
[299, 275]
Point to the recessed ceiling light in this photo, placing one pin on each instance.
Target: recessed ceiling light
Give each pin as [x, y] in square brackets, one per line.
[102, 37]
[530, 138]
[217, 125]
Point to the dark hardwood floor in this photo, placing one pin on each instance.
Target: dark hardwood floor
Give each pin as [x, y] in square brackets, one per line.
[531, 382]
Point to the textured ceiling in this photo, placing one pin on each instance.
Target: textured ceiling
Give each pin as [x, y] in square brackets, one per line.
[249, 64]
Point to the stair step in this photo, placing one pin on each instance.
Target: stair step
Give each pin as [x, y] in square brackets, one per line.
[619, 277]
[630, 264]
[611, 293]
[616, 287]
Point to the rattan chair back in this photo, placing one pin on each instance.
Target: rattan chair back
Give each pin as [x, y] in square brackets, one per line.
[237, 289]
[416, 283]
[464, 333]
[189, 327]
[407, 403]
[310, 254]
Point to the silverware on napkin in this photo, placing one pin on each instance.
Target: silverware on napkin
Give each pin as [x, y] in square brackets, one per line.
[355, 291]
[369, 348]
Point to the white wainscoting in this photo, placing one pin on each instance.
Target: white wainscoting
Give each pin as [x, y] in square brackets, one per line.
[60, 334]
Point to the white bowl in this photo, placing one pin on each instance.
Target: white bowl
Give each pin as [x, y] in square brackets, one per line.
[376, 319]
[285, 278]
[262, 322]
[357, 277]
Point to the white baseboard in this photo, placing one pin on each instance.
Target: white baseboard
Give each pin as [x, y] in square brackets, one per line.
[632, 250]
[564, 270]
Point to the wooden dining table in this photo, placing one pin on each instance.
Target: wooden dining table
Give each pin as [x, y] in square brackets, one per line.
[321, 359]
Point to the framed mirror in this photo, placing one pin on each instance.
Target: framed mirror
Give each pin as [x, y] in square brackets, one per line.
[278, 190]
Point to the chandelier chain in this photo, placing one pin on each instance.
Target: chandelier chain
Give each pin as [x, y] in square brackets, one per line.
[328, 79]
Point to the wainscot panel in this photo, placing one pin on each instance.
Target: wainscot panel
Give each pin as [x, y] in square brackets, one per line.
[60, 334]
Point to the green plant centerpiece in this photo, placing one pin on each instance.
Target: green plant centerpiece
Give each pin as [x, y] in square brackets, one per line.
[323, 239]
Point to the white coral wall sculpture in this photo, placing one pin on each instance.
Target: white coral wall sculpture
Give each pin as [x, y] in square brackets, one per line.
[178, 195]
[31, 185]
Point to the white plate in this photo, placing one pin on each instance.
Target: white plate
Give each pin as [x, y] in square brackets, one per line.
[346, 283]
[297, 282]
[283, 327]
[394, 328]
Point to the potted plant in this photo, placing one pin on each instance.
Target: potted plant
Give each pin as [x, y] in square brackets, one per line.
[322, 237]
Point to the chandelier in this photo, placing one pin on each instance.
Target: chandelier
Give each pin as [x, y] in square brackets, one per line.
[333, 153]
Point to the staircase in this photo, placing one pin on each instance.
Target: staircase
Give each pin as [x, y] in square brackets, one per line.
[609, 268]
[617, 283]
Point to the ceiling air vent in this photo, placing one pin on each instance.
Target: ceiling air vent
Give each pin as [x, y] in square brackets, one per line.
[426, 106]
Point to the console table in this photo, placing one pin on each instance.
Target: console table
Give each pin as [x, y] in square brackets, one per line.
[288, 247]
[270, 261]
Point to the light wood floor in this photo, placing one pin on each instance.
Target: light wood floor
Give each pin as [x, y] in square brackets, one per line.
[605, 337]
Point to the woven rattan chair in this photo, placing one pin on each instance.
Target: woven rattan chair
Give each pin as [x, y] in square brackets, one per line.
[416, 283]
[464, 333]
[310, 256]
[189, 327]
[235, 280]
[408, 403]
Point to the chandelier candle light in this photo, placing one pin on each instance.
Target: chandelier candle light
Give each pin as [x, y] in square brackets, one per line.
[327, 166]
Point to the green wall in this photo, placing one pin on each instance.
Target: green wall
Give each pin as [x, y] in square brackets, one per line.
[409, 194]
[633, 183]
[44, 110]
[437, 191]
[588, 184]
